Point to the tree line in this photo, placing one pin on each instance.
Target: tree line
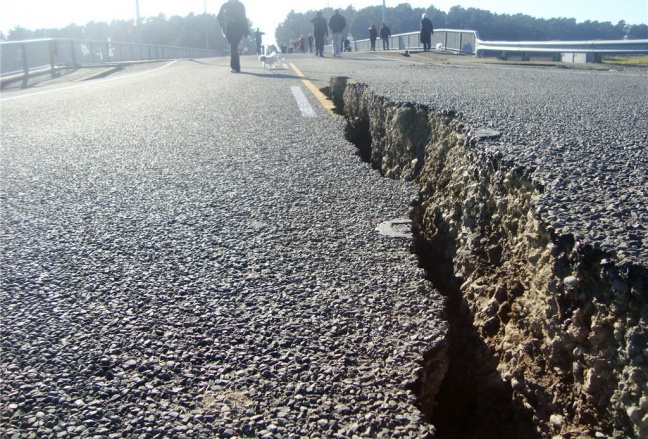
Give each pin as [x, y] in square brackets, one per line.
[203, 30]
[491, 27]
[195, 31]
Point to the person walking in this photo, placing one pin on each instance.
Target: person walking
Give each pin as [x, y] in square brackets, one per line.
[310, 43]
[426, 33]
[234, 25]
[337, 23]
[258, 36]
[302, 44]
[320, 29]
[385, 34]
[373, 35]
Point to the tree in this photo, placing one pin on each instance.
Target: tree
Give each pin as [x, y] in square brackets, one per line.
[638, 32]
[363, 20]
[100, 31]
[19, 33]
[191, 31]
[437, 16]
[294, 25]
[123, 31]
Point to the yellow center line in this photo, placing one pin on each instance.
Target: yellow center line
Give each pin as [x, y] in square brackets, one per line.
[321, 97]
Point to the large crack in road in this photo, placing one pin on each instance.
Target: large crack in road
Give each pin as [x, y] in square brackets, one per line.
[540, 325]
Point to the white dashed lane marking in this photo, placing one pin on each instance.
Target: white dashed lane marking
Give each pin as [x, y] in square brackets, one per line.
[304, 106]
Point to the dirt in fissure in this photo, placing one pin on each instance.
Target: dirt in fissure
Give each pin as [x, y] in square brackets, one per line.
[473, 400]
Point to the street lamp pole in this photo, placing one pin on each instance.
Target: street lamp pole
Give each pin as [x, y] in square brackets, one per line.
[383, 11]
[206, 28]
[137, 23]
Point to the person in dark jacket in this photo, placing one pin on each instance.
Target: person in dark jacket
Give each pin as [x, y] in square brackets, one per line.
[373, 35]
[426, 33]
[385, 34]
[320, 29]
[337, 23]
[234, 24]
[258, 36]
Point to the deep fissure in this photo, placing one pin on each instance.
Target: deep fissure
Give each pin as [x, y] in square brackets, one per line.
[545, 332]
[472, 401]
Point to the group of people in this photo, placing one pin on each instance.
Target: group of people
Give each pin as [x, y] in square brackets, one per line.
[337, 24]
[298, 45]
[426, 34]
[234, 24]
[385, 34]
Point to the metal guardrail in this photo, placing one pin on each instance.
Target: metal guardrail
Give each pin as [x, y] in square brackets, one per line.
[600, 46]
[460, 41]
[467, 41]
[24, 63]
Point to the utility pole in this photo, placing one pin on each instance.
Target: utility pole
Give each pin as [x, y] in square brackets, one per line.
[206, 28]
[137, 23]
[383, 11]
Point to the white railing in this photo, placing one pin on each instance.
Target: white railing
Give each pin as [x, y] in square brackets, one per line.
[460, 41]
[467, 41]
[599, 46]
[23, 63]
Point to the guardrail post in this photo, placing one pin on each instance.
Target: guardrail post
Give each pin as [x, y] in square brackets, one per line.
[445, 41]
[74, 59]
[52, 60]
[25, 63]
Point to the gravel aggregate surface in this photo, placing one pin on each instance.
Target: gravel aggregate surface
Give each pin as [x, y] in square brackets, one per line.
[185, 255]
[584, 131]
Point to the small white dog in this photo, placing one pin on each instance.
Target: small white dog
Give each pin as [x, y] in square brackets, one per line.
[271, 60]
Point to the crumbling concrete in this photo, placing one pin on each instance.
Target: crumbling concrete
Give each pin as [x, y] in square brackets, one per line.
[548, 334]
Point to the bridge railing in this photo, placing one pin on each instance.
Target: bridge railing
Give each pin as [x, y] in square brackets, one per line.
[23, 63]
[595, 47]
[460, 41]
[467, 41]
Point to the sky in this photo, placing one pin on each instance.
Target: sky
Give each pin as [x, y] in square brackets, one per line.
[267, 14]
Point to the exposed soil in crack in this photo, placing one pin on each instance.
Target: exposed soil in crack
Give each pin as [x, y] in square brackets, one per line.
[473, 401]
[543, 330]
